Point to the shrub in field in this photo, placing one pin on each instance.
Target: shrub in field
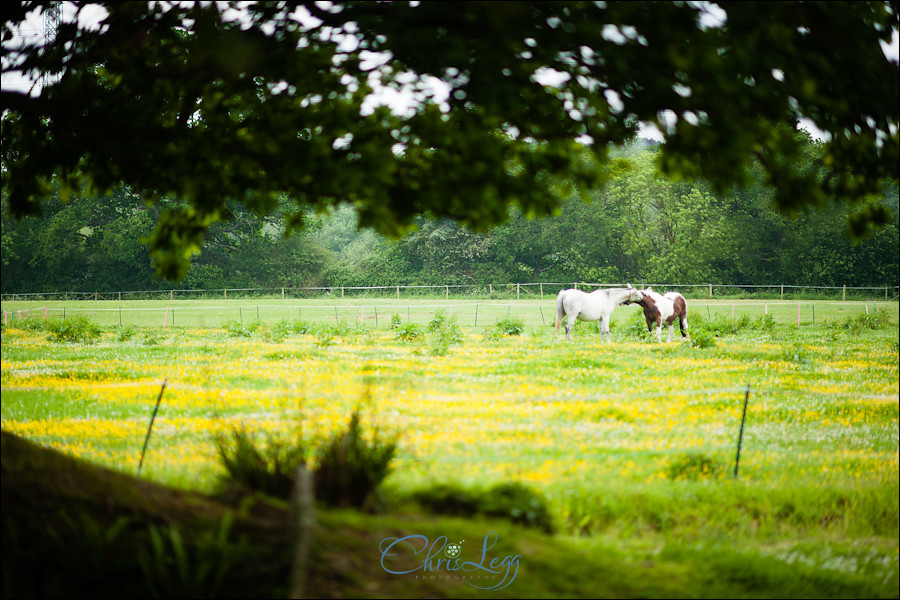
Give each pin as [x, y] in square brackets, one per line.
[440, 320]
[635, 328]
[279, 331]
[795, 353]
[765, 323]
[702, 338]
[125, 332]
[514, 501]
[267, 467]
[395, 323]
[351, 466]
[720, 326]
[240, 329]
[409, 331]
[73, 329]
[510, 326]
[444, 332]
[30, 324]
[506, 326]
[862, 322]
[342, 329]
[301, 327]
[694, 466]
[149, 338]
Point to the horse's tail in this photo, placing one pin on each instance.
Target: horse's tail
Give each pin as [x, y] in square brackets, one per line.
[681, 308]
[560, 311]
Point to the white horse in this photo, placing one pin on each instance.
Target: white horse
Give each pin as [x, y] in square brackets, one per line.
[598, 305]
[663, 308]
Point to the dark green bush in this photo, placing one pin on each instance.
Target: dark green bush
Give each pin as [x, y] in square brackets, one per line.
[694, 466]
[514, 501]
[267, 467]
[349, 468]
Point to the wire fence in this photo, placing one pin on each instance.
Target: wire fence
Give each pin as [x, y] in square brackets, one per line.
[373, 313]
[472, 291]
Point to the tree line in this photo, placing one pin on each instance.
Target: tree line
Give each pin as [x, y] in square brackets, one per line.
[639, 227]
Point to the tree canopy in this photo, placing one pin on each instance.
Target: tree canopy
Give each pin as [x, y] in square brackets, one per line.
[215, 103]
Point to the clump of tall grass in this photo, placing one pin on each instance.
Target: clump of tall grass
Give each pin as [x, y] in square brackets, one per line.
[350, 467]
[264, 463]
[347, 469]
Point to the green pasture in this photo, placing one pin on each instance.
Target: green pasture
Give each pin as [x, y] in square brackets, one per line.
[632, 444]
[375, 313]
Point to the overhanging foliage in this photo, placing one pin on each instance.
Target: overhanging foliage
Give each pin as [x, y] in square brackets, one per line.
[195, 102]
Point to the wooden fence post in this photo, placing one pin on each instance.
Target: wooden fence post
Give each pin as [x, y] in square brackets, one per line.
[844, 293]
[303, 513]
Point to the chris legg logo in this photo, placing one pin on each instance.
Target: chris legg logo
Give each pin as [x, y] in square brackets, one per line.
[414, 554]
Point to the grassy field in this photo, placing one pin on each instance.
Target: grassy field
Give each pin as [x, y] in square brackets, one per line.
[632, 444]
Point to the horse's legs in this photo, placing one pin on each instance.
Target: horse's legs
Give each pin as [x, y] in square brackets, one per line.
[683, 325]
[604, 328]
[671, 332]
[570, 321]
[659, 331]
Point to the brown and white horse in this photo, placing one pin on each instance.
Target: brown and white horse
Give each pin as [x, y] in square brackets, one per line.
[663, 308]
